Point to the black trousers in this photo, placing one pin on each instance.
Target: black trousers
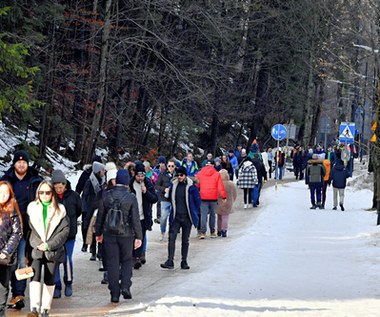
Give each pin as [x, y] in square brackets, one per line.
[185, 225]
[119, 262]
[138, 252]
[5, 275]
[50, 268]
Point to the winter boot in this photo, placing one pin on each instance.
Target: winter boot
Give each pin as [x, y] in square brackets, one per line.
[17, 302]
[137, 263]
[224, 233]
[105, 278]
[143, 258]
[45, 313]
[68, 290]
[341, 207]
[313, 207]
[168, 265]
[184, 265]
[57, 292]
[33, 313]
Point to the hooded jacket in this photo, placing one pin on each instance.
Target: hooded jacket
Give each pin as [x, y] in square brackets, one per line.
[339, 175]
[210, 183]
[230, 188]
[247, 175]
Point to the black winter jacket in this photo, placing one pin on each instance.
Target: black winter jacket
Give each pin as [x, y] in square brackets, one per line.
[149, 198]
[73, 204]
[163, 181]
[128, 203]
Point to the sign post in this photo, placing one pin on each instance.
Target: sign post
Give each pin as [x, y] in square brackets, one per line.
[278, 133]
[347, 136]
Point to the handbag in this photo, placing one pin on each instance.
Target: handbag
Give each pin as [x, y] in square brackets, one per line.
[25, 273]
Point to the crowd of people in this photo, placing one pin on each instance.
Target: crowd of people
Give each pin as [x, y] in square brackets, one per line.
[115, 204]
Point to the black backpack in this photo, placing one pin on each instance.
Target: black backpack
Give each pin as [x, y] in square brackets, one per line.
[114, 223]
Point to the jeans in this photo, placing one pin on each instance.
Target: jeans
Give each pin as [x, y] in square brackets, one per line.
[185, 224]
[67, 265]
[165, 210]
[256, 193]
[208, 207]
[278, 172]
[19, 287]
[315, 190]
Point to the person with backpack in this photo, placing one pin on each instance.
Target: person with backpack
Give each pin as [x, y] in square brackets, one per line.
[118, 227]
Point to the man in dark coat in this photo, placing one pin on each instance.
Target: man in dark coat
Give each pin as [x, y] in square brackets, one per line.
[146, 196]
[315, 174]
[24, 180]
[119, 246]
[186, 201]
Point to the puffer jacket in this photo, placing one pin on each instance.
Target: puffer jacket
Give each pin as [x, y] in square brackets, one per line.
[315, 172]
[57, 231]
[10, 233]
[210, 184]
[163, 181]
[128, 204]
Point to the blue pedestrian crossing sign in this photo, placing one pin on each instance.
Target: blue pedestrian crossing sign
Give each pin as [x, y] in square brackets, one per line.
[347, 132]
[278, 132]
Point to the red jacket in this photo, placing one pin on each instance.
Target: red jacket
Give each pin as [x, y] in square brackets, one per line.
[210, 183]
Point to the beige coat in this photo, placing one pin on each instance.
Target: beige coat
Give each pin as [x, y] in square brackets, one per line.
[231, 192]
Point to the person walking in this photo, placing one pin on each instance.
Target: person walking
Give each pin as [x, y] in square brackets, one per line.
[298, 161]
[24, 180]
[50, 228]
[163, 186]
[327, 165]
[11, 233]
[146, 196]
[338, 177]
[185, 199]
[92, 193]
[247, 180]
[119, 245]
[315, 174]
[225, 209]
[270, 161]
[73, 205]
[210, 184]
[190, 165]
[261, 177]
[279, 163]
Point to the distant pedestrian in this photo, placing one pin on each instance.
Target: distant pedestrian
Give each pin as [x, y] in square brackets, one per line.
[327, 165]
[210, 184]
[261, 178]
[234, 162]
[119, 246]
[186, 201]
[208, 158]
[270, 161]
[146, 196]
[338, 177]
[163, 186]
[226, 164]
[247, 181]
[190, 165]
[225, 209]
[298, 161]
[84, 176]
[315, 173]
[279, 163]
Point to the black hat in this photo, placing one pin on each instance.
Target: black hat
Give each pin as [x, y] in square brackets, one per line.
[182, 170]
[210, 162]
[140, 168]
[58, 177]
[20, 155]
[122, 177]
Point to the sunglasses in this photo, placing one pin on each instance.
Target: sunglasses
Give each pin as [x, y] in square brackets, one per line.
[170, 165]
[181, 174]
[44, 192]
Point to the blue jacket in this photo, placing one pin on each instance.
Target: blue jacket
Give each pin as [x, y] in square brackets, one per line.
[193, 201]
[339, 175]
[192, 170]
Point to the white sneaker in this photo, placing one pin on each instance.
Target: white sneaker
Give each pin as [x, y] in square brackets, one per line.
[162, 236]
[245, 206]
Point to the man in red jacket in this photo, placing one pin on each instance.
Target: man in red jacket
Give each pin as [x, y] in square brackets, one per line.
[210, 184]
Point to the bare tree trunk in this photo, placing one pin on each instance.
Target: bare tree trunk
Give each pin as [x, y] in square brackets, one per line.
[101, 90]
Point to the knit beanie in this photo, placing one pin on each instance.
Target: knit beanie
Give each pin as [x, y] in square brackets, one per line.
[140, 168]
[182, 170]
[20, 155]
[122, 177]
[110, 166]
[97, 167]
[111, 174]
[58, 177]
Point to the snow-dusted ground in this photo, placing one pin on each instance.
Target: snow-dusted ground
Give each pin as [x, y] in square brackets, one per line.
[291, 261]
